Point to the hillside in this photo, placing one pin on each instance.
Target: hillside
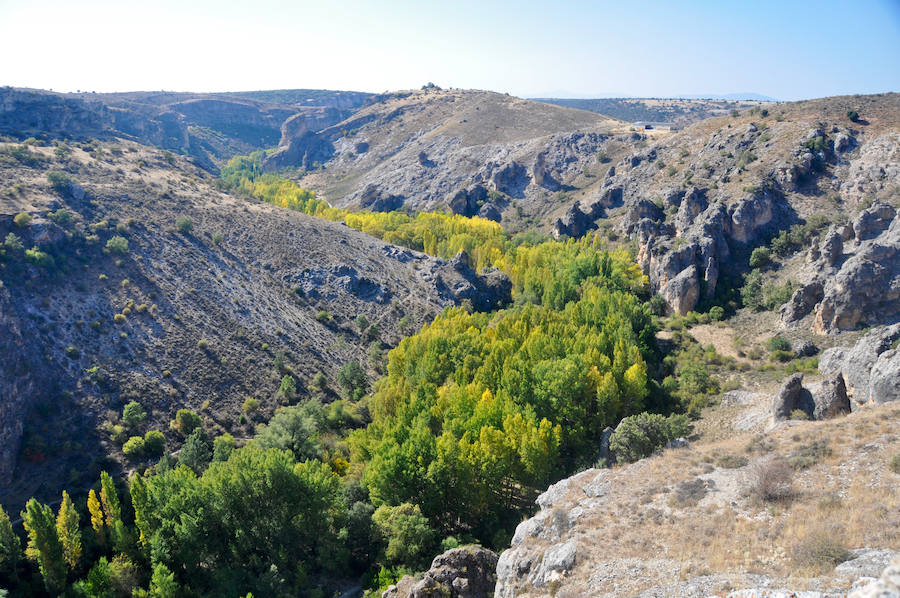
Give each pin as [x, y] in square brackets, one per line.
[677, 112]
[186, 316]
[473, 152]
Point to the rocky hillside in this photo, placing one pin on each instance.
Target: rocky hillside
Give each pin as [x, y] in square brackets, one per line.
[677, 112]
[473, 152]
[697, 202]
[209, 127]
[806, 506]
[126, 275]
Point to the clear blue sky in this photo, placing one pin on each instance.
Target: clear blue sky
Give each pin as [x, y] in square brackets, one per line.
[788, 49]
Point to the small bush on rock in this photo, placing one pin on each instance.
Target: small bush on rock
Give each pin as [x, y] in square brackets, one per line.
[639, 436]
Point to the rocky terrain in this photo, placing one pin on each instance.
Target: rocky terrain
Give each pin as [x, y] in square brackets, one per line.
[206, 293]
[697, 202]
[209, 127]
[471, 152]
[696, 520]
[677, 112]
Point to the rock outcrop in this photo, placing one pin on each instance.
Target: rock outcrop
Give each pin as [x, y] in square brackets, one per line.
[465, 572]
[792, 397]
[886, 586]
[871, 368]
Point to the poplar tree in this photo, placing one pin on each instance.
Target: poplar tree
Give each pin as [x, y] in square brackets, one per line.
[10, 546]
[96, 512]
[68, 529]
[44, 547]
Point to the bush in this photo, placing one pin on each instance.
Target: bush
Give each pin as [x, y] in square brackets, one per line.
[134, 447]
[39, 258]
[894, 464]
[778, 343]
[133, 414]
[250, 405]
[639, 436]
[185, 422]
[117, 245]
[288, 386]
[60, 181]
[760, 257]
[13, 244]
[853, 115]
[22, 219]
[120, 318]
[184, 224]
[154, 443]
[223, 446]
[772, 480]
[352, 379]
[822, 547]
[202, 344]
[716, 313]
[323, 317]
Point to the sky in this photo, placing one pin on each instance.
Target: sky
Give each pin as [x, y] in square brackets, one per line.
[786, 49]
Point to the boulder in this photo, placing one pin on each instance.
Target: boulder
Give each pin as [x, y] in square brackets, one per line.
[830, 399]
[792, 397]
[886, 586]
[802, 302]
[872, 221]
[832, 247]
[884, 379]
[870, 369]
[466, 572]
[805, 348]
[574, 223]
[682, 292]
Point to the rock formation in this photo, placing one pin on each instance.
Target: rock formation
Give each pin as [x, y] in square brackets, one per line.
[466, 572]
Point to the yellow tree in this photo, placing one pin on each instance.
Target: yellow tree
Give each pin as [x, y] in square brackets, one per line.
[68, 529]
[96, 512]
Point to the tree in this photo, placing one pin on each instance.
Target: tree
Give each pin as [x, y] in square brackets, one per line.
[133, 414]
[761, 256]
[22, 219]
[112, 508]
[68, 529]
[44, 547]
[223, 446]
[185, 422]
[96, 512]
[294, 429]
[352, 379]
[154, 443]
[162, 583]
[638, 436]
[134, 447]
[196, 452]
[117, 245]
[288, 386]
[10, 546]
[409, 539]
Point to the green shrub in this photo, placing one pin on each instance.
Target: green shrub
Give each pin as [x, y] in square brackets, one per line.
[59, 181]
[716, 313]
[184, 224]
[154, 443]
[323, 317]
[760, 257]
[778, 343]
[134, 447]
[639, 436]
[202, 344]
[185, 422]
[13, 244]
[39, 258]
[250, 406]
[352, 379]
[133, 414]
[288, 386]
[117, 245]
[61, 217]
[782, 356]
[120, 318]
[853, 115]
[223, 446]
[22, 219]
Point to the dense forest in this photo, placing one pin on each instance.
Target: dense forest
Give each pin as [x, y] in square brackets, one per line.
[475, 414]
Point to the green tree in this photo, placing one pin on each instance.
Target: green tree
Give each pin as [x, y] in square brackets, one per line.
[154, 443]
[185, 422]
[760, 257]
[44, 547]
[13, 244]
[134, 447]
[10, 546]
[184, 224]
[223, 446]
[68, 529]
[638, 436]
[117, 245]
[288, 386]
[162, 583]
[409, 539]
[22, 219]
[293, 428]
[196, 452]
[352, 379]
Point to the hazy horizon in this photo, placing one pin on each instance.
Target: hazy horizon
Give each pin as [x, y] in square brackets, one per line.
[581, 49]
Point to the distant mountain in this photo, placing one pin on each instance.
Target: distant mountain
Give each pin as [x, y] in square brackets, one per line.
[742, 96]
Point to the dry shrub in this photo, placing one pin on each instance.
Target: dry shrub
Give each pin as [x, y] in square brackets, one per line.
[772, 480]
[821, 548]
